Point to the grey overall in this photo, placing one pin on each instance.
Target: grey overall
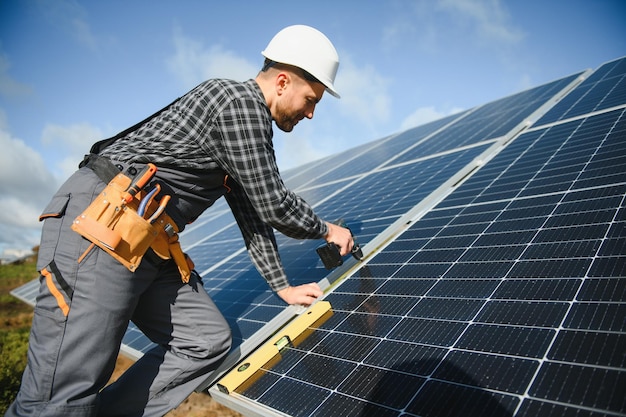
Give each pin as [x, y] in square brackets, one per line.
[97, 297]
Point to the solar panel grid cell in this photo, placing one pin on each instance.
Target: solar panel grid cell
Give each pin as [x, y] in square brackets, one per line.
[309, 397]
[501, 373]
[352, 407]
[367, 325]
[593, 348]
[464, 288]
[537, 289]
[440, 398]
[608, 289]
[507, 340]
[604, 89]
[578, 385]
[441, 333]
[446, 308]
[380, 386]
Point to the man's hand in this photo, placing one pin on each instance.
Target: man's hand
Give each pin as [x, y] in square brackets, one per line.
[304, 294]
[341, 237]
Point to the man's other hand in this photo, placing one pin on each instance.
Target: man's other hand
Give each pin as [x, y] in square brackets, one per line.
[304, 294]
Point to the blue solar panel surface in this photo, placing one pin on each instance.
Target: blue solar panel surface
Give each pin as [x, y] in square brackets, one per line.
[606, 88]
[508, 298]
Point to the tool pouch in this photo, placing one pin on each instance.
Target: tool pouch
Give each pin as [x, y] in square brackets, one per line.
[167, 246]
[115, 226]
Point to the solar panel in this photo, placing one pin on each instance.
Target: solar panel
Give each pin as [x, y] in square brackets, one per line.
[495, 248]
[506, 298]
[604, 89]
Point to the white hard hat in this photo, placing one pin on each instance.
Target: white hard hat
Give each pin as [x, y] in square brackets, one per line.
[306, 48]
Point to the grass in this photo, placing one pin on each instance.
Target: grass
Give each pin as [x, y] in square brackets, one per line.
[15, 321]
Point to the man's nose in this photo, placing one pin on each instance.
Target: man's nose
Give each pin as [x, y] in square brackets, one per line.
[309, 114]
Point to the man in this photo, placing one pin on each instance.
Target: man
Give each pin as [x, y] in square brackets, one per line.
[215, 140]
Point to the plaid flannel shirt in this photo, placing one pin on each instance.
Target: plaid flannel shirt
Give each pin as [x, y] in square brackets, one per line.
[226, 125]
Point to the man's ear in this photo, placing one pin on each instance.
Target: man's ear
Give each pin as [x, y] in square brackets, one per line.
[282, 82]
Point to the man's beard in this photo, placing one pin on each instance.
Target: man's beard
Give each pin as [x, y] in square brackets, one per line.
[285, 122]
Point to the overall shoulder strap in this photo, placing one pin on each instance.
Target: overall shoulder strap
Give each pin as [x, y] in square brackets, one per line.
[101, 144]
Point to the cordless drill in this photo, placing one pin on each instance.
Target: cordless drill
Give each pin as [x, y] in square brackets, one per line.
[330, 252]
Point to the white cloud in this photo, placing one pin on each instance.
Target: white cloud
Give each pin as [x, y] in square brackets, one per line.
[75, 136]
[71, 17]
[294, 149]
[71, 142]
[424, 115]
[18, 214]
[489, 19]
[412, 27]
[23, 172]
[14, 254]
[28, 181]
[82, 32]
[473, 23]
[8, 86]
[26, 185]
[525, 82]
[193, 62]
[4, 125]
[364, 93]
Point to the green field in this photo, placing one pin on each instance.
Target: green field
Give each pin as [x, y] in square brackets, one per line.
[16, 317]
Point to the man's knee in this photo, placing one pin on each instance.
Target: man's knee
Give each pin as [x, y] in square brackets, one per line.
[218, 339]
[206, 350]
[222, 344]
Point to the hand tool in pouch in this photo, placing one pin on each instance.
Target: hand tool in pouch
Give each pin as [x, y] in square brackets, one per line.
[147, 200]
[139, 181]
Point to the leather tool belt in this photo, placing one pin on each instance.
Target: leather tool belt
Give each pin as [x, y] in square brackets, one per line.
[124, 220]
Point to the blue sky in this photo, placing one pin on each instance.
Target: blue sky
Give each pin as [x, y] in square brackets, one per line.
[73, 72]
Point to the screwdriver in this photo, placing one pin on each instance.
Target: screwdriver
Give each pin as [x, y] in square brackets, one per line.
[139, 181]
